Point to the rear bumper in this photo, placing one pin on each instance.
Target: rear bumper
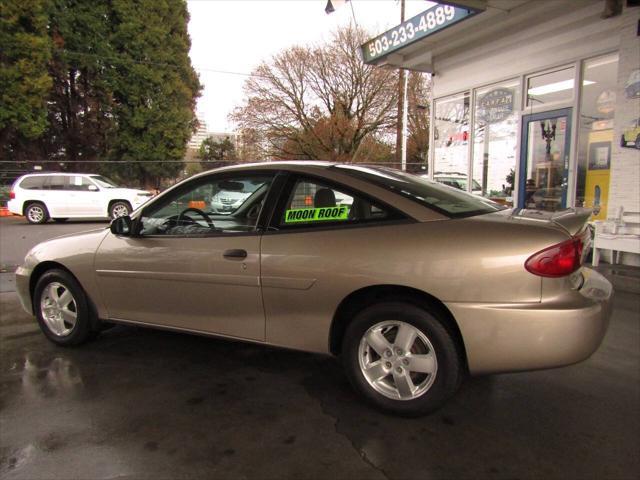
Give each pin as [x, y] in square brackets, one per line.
[15, 207]
[515, 337]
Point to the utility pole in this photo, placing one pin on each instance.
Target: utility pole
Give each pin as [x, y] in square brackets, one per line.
[401, 133]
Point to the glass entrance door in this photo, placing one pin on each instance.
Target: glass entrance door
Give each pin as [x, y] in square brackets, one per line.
[544, 160]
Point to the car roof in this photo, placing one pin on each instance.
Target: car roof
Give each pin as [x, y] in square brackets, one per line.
[277, 165]
[39, 174]
[286, 165]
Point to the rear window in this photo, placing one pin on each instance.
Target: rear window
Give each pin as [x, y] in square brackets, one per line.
[449, 201]
[32, 183]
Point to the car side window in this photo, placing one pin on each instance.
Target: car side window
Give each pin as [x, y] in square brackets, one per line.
[56, 182]
[215, 205]
[79, 183]
[314, 203]
[32, 183]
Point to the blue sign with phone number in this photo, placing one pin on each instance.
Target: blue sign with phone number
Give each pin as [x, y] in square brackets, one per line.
[428, 22]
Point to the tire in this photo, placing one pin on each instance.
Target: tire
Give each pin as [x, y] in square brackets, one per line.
[36, 213]
[623, 142]
[62, 309]
[60, 220]
[119, 209]
[638, 142]
[433, 353]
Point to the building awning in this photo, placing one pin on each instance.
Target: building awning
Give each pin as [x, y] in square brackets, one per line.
[486, 20]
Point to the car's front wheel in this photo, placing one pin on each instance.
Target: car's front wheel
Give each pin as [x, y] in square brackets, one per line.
[402, 358]
[119, 209]
[62, 308]
[36, 213]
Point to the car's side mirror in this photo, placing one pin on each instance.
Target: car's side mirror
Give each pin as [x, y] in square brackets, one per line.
[93, 188]
[122, 226]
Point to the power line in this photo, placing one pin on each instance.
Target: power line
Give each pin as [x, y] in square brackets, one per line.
[122, 59]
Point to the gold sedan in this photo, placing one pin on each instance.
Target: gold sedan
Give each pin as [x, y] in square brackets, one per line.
[414, 284]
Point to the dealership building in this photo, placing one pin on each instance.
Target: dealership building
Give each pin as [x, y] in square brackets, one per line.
[536, 103]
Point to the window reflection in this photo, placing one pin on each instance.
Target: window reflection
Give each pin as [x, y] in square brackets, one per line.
[451, 137]
[495, 141]
[597, 108]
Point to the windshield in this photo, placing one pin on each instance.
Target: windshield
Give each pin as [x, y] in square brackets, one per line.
[104, 182]
[449, 201]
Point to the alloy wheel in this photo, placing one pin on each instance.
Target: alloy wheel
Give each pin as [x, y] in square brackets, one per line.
[397, 360]
[35, 214]
[119, 210]
[59, 309]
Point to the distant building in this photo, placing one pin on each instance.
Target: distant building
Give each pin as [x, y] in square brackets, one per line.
[202, 133]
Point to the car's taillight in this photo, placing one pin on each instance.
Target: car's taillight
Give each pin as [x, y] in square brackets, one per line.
[12, 195]
[558, 260]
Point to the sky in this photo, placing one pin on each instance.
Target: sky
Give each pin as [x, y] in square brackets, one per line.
[237, 35]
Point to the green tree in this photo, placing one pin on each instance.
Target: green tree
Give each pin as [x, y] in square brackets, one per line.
[87, 80]
[154, 89]
[215, 153]
[80, 102]
[25, 50]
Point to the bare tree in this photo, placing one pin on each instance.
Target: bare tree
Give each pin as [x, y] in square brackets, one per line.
[319, 102]
[418, 96]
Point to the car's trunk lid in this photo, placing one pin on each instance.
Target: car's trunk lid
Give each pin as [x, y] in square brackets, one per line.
[571, 222]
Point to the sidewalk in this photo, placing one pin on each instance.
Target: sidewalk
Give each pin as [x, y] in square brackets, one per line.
[624, 278]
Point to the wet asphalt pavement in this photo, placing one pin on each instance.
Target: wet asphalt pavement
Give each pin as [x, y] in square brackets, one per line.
[137, 403]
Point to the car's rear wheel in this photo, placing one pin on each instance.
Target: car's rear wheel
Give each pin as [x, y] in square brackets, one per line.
[402, 358]
[36, 213]
[62, 308]
[119, 209]
[638, 142]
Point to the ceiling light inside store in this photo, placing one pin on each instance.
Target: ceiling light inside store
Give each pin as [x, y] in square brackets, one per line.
[555, 87]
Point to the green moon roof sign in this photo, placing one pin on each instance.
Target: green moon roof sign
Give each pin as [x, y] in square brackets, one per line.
[427, 23]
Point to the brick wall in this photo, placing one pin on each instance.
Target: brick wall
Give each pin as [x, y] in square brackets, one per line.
[624, 187]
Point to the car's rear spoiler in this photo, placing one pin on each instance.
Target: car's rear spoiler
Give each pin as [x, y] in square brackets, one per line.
[572, 220]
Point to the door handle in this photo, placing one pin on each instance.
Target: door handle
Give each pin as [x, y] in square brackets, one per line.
[235, 253]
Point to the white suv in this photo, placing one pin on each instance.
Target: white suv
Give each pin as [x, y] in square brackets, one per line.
[60, 196]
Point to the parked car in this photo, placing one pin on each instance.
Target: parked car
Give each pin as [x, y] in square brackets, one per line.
[456, 180]
[230, 198]
[414, 284]
[60, 196]
[545, 199]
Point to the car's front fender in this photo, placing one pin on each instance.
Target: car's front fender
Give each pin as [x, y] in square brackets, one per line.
[74, 253]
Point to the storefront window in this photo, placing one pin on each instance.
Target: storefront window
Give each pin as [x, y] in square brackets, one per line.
[495, 141]
[550, 88]
[595, 136]
[451, 135]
